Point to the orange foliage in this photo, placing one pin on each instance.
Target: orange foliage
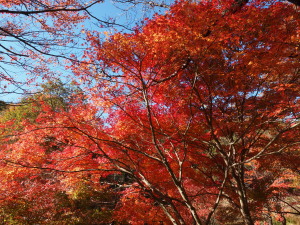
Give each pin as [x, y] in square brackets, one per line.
[200, 108]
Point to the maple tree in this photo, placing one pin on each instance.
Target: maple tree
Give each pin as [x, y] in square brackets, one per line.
[196, 97]
[31, 192]
[198, 108]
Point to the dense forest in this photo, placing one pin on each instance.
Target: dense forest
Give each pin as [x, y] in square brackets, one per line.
[189, 117]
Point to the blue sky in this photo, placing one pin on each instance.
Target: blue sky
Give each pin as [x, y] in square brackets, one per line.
[126, 14]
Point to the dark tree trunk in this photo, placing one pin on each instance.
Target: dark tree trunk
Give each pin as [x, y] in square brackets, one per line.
[238, 175]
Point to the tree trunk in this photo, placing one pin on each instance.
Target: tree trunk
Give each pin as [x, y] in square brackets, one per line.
[241, 191]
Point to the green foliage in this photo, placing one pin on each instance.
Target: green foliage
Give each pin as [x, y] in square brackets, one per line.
[93, 206]
[55, 94]
[58, 95]
[19, 112]
[3, 105]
